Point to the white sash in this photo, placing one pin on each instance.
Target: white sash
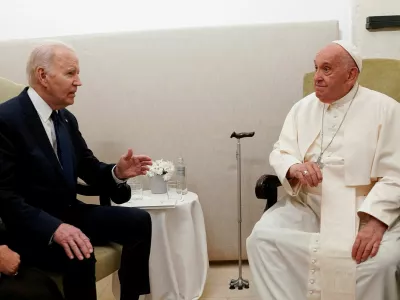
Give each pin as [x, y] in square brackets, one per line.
[338, 233]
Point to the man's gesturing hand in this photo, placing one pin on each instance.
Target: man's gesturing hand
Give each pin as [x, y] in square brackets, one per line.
[130, 165]
[368, 240]
[74, 241]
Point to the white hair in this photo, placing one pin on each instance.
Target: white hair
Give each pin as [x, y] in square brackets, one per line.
[42, 57]
[348, 61]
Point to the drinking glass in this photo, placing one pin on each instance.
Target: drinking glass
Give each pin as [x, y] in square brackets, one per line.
[174, 190]
[136, 188]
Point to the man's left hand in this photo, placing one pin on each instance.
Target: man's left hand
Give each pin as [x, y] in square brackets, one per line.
[368, 240]
[130, 165]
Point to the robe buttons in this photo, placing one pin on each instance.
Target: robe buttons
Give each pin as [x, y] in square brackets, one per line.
[315, 249]
[311, 281]
[311, 292]
[313, 261]
[313, 271]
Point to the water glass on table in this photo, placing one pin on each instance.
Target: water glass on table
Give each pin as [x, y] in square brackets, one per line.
[174, 190]
[136, 188]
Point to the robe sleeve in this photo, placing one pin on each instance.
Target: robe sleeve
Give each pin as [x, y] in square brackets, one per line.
[286, 153]
[383, 201]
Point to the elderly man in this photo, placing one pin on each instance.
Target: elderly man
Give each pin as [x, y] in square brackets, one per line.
[42, 153]
[335, 235]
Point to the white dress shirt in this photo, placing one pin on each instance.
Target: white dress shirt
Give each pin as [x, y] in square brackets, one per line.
[44, 111]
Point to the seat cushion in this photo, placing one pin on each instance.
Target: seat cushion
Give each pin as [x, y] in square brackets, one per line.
[108, 260]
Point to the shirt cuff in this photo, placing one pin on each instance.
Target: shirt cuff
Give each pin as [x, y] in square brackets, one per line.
[117, 180]
[51, 239]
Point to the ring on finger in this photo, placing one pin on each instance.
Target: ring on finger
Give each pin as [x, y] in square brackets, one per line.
[305, 172]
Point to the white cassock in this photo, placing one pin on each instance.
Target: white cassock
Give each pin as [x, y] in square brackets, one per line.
[301, 247]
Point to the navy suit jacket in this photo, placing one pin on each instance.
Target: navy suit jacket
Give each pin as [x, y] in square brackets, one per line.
[34, 194]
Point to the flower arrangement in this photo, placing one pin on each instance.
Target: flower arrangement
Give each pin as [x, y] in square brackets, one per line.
[165, 168]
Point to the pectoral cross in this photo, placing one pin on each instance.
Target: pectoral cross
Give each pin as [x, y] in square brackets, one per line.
[319, 162]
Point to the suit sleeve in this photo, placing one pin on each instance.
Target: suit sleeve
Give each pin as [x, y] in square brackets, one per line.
[94, 172]
[13, 209]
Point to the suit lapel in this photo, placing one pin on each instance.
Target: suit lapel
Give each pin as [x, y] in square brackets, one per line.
[35, 126]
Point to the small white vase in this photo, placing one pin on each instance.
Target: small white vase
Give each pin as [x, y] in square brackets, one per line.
[158, 185]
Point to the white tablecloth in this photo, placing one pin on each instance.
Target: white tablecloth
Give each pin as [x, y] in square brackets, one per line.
[178, 258]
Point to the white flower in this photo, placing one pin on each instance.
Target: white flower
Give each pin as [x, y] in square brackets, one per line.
[162, 167]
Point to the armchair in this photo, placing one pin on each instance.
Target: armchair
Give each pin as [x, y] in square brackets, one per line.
[108, 256]
[382, 75]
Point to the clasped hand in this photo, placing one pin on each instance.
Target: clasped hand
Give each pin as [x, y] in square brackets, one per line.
[9, 261]
[307, 173]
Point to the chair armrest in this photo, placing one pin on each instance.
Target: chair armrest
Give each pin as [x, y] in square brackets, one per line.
[119, 195]
[264, 184]
[87, 190]
[267, 188]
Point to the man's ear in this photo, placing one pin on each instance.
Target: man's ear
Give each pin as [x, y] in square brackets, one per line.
[353, 74]
[42, 76]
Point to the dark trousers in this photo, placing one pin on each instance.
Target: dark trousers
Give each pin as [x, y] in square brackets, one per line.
[29, 284]
[130, 227]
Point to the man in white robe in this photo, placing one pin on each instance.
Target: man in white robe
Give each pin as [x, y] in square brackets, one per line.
[335, 235]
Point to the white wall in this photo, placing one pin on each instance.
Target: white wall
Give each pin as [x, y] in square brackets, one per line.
[44, 18]
[382, 44]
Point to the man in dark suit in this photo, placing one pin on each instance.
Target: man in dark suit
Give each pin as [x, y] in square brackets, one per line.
[42, 153]
[22, 283]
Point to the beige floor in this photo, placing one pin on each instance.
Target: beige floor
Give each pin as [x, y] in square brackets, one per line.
[217, 286]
